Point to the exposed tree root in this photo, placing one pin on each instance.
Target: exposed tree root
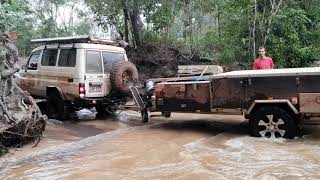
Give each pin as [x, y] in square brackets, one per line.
[21, 120]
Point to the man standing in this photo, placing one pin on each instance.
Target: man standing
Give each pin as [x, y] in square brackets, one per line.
[263, 62]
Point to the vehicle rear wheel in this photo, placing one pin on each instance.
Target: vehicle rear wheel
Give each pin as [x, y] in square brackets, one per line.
[56, 107]
[103, 111]
[272, 122]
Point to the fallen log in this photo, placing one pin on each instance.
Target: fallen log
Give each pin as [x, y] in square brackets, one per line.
[20, 118]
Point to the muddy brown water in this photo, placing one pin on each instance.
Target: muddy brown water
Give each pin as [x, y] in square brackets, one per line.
[186, 146]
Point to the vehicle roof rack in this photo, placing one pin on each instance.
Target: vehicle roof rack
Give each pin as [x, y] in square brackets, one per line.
[75, 39]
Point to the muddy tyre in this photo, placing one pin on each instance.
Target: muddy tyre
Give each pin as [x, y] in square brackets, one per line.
[56, 107]
[144, 116]
[103, 111]
[166, 114]
[275, 122]
[123, 75]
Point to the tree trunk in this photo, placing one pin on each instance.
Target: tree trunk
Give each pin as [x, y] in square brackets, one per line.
[55, 20]
[218, 20]
[126, 18]
[71, 18]
[190, 27]
[134, 17]
[254, 30]
[274, 10]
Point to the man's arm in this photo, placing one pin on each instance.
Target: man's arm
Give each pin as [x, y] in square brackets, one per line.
[271, 63]
[255, 65]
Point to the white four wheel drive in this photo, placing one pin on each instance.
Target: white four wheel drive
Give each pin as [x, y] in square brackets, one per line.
[78, 72]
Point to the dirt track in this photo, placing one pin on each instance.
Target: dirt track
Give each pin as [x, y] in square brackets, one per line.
[186, 146]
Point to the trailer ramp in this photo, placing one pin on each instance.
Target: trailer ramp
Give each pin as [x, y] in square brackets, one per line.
[137, 98]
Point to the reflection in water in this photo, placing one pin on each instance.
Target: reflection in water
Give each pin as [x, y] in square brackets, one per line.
[173, 150]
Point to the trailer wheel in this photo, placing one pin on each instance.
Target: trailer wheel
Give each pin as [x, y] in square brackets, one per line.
[272, 122]
[144, 116]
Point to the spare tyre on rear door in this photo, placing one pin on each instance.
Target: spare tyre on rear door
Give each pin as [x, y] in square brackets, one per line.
[123, 75]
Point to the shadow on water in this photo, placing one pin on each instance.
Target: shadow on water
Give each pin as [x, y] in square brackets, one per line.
[204, 126]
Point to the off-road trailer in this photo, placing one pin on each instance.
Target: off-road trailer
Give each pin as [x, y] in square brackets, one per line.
[275, 101]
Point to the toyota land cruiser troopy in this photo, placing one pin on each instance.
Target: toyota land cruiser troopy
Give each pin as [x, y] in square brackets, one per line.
[77, 72]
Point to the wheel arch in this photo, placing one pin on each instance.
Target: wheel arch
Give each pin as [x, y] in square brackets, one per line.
[52, 89]
[282, 103]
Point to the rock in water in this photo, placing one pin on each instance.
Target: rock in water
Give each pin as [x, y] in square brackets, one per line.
[20, 117]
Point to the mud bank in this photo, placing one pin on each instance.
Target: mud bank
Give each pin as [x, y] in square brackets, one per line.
[154, 61]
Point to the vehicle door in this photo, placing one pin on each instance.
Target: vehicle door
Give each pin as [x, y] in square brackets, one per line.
[67, 74]
[94, 76]
[28, 78]
[48, 72]
[109, 60]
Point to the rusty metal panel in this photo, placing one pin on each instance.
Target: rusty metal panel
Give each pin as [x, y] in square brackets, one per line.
[309, 102]
[186, 96]
[308, 84]
[227, 93]
[261, 88]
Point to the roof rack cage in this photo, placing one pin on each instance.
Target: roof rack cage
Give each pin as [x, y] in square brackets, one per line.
[75, 39]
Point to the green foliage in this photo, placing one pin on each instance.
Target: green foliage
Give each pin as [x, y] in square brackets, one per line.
[161, 18]
[292, 41]
[12, 13]
[14, 18]
[107, 12]
[226, 31]
[38, 19]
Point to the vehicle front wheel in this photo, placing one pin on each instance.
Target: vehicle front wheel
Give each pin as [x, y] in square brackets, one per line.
[272, 122]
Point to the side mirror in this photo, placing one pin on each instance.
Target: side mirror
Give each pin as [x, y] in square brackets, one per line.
[34, 65]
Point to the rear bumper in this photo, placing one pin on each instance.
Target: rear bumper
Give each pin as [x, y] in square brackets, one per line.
[93, 102]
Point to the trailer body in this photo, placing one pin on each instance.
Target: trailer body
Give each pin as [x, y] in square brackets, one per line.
[241, 89]
[295, 91]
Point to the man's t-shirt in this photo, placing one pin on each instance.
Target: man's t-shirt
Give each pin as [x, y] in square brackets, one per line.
[263, 63]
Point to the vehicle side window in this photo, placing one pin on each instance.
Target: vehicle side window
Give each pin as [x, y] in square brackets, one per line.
[49, 57]
[34, 60]
[93, 62]
[67, 58]
[110, 59]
